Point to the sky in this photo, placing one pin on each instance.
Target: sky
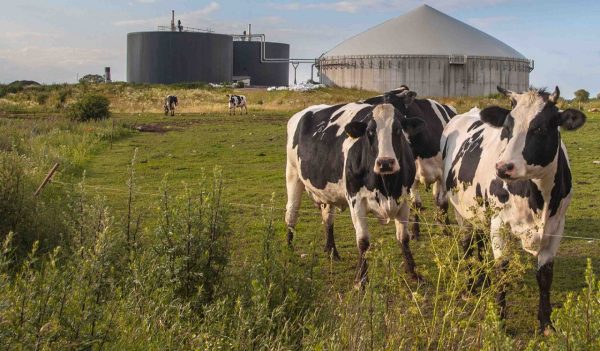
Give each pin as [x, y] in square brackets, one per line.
[56, 41]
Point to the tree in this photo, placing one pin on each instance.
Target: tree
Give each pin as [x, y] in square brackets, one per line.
[598, 96]
[582, 95]
[91, 78]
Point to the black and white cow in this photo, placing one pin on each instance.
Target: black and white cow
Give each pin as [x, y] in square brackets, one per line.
[357, 156]
[169, 105]
[425, 145]
[513, 164]
[236, 101]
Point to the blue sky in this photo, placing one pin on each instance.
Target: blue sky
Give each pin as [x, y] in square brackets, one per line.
[57, 40]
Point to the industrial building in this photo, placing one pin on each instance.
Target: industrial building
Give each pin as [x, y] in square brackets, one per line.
[430, 52]
[178, 54]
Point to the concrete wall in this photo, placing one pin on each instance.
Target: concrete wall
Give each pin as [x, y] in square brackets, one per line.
[174, 57]
[246, 62]
[427, 75]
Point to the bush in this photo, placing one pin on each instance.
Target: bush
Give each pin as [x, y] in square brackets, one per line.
[90, 107]
[91, 78]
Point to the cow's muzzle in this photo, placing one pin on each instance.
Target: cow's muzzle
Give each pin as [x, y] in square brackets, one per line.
[505, 170]
[386, 165]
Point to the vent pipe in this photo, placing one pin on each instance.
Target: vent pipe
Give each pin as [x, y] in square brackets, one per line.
[172, 20]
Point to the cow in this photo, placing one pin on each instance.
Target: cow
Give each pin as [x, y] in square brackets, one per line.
[352, 156]
[509, 168]
[425, 145]
[236, 101]
[169, 104]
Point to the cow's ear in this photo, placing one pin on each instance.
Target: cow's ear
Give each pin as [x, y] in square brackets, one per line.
[374, 100]
[571, 119]
[413, 125]
[494, 115]
[355, 129]
[408, 97]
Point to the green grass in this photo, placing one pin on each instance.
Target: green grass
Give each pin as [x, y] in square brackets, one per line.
[250, 151]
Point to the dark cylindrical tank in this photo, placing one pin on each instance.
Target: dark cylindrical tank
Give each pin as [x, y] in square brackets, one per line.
[246, 62]
[176, 57]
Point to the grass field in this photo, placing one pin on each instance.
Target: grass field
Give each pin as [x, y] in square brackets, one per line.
[249, 150]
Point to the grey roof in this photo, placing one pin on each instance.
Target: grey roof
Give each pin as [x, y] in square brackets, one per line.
[423, 31]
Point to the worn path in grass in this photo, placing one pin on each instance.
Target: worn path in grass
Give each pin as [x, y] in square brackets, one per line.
[250, 149]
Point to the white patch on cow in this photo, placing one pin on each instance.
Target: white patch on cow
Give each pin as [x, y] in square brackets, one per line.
[438, 113]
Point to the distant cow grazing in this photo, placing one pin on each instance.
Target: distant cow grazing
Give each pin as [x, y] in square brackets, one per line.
[236, 101]
[514, 163]
[357, 156]
[169, 105]
[425, 145]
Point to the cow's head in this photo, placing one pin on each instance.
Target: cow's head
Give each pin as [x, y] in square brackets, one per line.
[531, 132]
[384, 135]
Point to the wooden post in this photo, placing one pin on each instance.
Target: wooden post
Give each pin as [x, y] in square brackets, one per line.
[46, 180]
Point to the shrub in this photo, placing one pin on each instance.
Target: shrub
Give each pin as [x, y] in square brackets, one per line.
[90, 107]
[91, 78]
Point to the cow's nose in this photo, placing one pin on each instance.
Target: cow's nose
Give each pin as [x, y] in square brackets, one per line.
[386, 164]
[505, 169]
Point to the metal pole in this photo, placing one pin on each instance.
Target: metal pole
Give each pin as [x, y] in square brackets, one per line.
[295, 65]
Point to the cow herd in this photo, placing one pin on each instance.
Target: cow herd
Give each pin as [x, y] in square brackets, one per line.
[233, 102]
[499, 168]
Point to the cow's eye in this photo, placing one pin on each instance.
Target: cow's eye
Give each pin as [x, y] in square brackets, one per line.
[538, 131]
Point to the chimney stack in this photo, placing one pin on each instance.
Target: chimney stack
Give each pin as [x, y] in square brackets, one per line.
[172, 20]
[249, 32]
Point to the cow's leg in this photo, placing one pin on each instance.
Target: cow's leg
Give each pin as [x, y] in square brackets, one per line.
[294, 196]
[327, 212]
[358, 211]
[441, 200]
[501, 263]
[544, 275]
[246, 109]
[417, 205]
[403, 237]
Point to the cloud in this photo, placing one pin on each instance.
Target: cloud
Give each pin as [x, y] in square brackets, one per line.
[185, 17]
[35, 56]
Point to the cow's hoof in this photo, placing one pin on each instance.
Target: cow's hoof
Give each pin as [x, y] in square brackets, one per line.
[332, 253]
[548, 330]
[416, 277]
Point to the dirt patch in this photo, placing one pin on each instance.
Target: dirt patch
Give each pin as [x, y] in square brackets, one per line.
[152, 128]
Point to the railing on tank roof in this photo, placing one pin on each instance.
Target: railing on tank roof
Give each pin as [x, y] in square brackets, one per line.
[184, 29]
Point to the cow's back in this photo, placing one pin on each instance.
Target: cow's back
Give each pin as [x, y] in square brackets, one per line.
[315, 146]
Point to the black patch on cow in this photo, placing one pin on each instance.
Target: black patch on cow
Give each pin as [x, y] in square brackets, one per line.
[470, 152]
[542, 138]
[353, 202]
[319, 148]
[494, 115]
[451, 180]
[497, 189]
[529, 190]
[449, 111]
[442, 111]
[445, 149]
[507, 128]
[361, 161]
[475, 125]
[562, 183]
[336, 116]
[478, 193]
